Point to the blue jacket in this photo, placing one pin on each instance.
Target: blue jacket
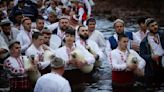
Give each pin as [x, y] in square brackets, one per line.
[114, 43]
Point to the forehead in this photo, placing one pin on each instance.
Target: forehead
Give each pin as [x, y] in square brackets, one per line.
[67, 34]
[27, 21]
[15, 45]
[153, 23]
[63, 20]
[83, 28]
[124, 39]
[118, 24]
[40, 37]
[40, 20]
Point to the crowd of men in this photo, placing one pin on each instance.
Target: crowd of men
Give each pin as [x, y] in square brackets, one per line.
[52, 45]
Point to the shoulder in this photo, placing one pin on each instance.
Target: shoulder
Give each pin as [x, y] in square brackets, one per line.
[114, 52]
[98, 32]
[31, 48]
[91, 41]
[61, 48]
[133, 51]
[9, 60]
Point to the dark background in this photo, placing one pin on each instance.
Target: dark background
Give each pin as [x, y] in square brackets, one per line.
[130, 10]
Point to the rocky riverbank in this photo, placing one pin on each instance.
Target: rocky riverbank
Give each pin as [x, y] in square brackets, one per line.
[129, 10]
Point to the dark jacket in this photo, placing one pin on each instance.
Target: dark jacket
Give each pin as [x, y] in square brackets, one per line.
[151, 67]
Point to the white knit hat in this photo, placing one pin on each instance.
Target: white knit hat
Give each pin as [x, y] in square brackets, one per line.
[57, 62]
[118, 20]
[149, 20]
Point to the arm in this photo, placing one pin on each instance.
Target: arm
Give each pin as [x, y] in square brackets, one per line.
[80, 13]
[108, 48]
[23, 44]
[88, 6]
[102, 42]
[144, 53]
[98, 51]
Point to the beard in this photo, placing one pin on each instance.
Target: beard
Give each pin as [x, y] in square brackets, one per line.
[7, 33]
[154, 32]
[64, 28]
[84, 37]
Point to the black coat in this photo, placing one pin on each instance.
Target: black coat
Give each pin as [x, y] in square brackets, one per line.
[151, 68]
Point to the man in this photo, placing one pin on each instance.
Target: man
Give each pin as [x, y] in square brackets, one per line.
[17, 21]
[112, 42]
[79, 9]
[47, 35]
[54, 7]
[122, 72]
[139, 35]
[74, 21]
[96, 35]
[90, 45]
[143, 29]
[40, 23]
[152, 49]
[37, 51]
[53, 82]
[3, 49]
[62, 27]
[119, 29]
[25, 36]
[7, 33]
[52, 18]
[4, 53]
[17, 8]
[14, 64]
[74, 65]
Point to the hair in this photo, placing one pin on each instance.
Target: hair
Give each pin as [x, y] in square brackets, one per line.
[90, 20]
[57, 62]
[141, 20]
[24, 19]
[122, 36]
[35, 35]
[118, 20]
[149, 21]
[80, 27]
[52, 13]
[39, 18]
[11, 45]
[70, 31]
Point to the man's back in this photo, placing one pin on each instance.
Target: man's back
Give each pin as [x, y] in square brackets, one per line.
[52, 82]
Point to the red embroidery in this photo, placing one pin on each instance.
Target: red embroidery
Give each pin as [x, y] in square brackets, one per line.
[20, 62]
[122, 57]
